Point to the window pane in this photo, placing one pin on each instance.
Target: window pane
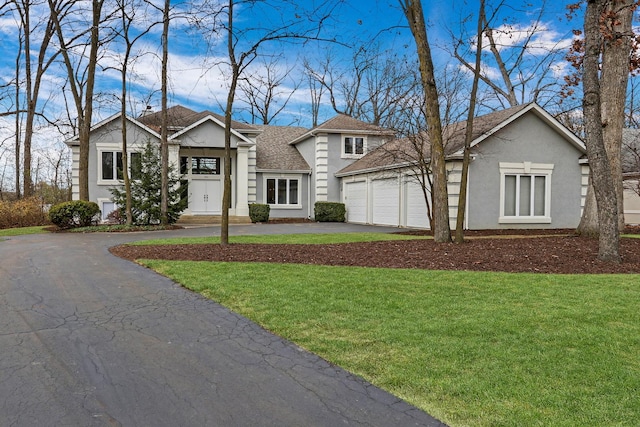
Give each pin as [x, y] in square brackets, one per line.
[359, 145]
[525, 196]
[348, 145]
[184, 165]
[136, 165]
[282, 191]
[293, 192]
[539, 198]
[271, 191]
[119, 167]
[107, 165]
[510, 195]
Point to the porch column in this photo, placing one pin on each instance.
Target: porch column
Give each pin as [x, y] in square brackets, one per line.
[242, 181]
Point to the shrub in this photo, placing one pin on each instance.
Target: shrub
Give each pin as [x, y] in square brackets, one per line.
[22, 213]
[78, 213]
[329, 212]
[259, 212]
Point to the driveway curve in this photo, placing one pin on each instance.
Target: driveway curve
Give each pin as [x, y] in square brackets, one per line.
[88, 339]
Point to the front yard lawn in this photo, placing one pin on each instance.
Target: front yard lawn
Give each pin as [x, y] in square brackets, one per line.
[470, 348]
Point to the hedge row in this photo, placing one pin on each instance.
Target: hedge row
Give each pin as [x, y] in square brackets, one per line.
[22, 213]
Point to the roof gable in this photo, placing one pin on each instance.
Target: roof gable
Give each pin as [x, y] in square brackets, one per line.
[344, 124]
[74, 140]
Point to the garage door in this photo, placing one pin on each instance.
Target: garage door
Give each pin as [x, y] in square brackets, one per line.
[355, 200]
[385, 199]
[416, 206]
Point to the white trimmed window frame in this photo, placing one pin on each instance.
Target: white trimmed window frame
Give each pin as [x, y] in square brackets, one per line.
[101, 203]
[114, 150]
[353, 155]
[532, 170]
[288, 179]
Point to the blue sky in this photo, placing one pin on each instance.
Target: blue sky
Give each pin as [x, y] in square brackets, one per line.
[198, 83]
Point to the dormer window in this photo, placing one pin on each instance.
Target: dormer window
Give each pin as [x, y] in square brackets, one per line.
[353, 147]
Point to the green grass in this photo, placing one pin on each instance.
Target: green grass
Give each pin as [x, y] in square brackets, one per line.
[471, 348]
[23, 231]
[324, 238]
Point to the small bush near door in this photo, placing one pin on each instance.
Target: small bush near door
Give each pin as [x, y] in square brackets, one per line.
[329, 212]
[259, 212]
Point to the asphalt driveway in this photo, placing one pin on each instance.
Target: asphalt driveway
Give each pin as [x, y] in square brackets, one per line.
[88, 339]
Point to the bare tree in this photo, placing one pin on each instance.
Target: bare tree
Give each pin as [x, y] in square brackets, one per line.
[164, 119]
[370, 87]
[130, 13]
[462, 196]
[524, 63]
[81, 74]
[264, 91]
[244, 45]
[601, 176]
[415, 17]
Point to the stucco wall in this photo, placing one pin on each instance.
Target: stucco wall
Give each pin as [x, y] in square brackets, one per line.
[528, 139]
[109, 138]
[304, 211]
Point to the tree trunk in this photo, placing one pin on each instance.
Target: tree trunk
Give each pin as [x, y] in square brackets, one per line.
[415, 17]
[235, 73]
[164, 143]
[613, 83]
[464, 179]
[609, 238]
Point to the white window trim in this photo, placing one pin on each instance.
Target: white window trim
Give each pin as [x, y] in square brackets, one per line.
[353, 156]
[532, 169]
[287, 177]
[101, 202]
[114, 181]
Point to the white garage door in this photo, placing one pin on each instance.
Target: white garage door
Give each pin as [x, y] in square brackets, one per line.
[416, 206]
[355, 199]
[385, 201]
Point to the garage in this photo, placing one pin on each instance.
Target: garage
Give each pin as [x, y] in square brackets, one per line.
[355, 199]
[385, 201]
[416, 214]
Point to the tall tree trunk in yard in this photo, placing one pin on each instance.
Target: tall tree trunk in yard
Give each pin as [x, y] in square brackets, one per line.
[613, 83]
[415, 17]
[164, 143]
[609, 237]
[464, 179]
[235, 70]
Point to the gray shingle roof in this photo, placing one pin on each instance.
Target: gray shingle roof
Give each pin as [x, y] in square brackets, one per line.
[181, 117]
[344, 124]
[402, 151]
[273, 151]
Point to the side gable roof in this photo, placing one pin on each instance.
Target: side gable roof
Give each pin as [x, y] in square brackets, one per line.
[386, 157]
[274, 153]
[343, 124]
[74, 140]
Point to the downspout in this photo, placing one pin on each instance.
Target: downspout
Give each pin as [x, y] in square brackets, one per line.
[309, 195]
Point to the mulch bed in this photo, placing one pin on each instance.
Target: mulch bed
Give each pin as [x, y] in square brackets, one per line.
[543, 254]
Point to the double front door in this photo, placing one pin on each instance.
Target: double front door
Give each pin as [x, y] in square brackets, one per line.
[205, 196]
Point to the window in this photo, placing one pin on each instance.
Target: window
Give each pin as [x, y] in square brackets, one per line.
[282, 191]
[354, 146]
[205, 165]
[525, 193]
[112, 168]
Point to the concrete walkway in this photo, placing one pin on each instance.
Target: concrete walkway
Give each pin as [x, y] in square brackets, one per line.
[88, 339]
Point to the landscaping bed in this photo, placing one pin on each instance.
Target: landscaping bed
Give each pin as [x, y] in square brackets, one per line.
[547, 254]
